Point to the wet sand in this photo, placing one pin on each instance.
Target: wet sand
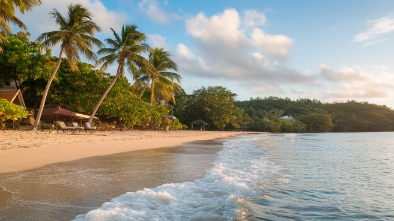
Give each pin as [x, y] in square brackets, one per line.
[61, 191]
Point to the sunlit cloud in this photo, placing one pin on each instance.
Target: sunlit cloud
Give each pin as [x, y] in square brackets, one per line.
[158, 41]
[275, 45]
[376, 28]
[358, 82]
[223, 48]
[224, 26]
[153, 10]
[253, 18]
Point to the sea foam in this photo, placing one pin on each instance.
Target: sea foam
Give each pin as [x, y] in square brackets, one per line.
[237, 173]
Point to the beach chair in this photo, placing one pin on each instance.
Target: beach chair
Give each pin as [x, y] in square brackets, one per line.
[63, 127]
[43, 126]
[88, 127]
[77, 127]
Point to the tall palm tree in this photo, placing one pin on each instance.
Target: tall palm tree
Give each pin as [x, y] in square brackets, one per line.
[75, 36]
[157, 73]
[7, 14]
[125, 49]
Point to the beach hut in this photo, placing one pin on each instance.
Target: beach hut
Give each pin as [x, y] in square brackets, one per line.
[12, 95]
[199, 122]
[15, 96]
[58, 113]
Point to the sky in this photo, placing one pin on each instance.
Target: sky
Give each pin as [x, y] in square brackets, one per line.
[330, 50]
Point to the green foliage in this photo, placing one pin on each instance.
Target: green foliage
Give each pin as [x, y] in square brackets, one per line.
[265, 124]
[123, 105]
[176, 124]
[156, 113]
[7, 15]
[316, 116]
[291, 126]
[126, 51]
[22, 65]
[215, 105]
[317, 122]
[157, 73]
[10, 111]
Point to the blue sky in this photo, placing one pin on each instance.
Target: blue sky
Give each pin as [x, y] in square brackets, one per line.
[332, 50]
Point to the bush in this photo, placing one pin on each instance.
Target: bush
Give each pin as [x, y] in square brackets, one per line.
[10, 111]
[175, 124]
[291, 126]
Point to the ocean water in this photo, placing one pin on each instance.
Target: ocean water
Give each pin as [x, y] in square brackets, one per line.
[328, 176]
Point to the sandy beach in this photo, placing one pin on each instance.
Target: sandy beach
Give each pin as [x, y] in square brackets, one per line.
[25, 150]
[56, 175]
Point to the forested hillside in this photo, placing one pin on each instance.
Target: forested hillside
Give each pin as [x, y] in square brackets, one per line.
[264, 114]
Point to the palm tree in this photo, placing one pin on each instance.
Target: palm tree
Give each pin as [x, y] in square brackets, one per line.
[75, 36]
[7, 14]
[125, 49]
[156, 72]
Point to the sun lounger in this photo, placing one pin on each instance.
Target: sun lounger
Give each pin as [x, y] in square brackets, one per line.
[44, 126]
[76, 126]
[89, 127]
[63, 127]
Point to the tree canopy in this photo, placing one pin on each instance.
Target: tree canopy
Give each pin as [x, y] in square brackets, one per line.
[215, 105]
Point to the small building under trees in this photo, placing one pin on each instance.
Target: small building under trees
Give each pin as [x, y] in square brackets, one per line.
[13, 96]
[199, 122]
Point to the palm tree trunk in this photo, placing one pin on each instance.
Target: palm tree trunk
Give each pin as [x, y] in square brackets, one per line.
[143, 90]
[104, 95]
[44, 97]
[152, 88]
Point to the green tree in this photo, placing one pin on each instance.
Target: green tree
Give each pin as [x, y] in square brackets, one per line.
[75, 36]
[291, 126]
[10, 111]
[156, 113]
[21, 60]
[125, 49]
[213, 104]
[77, 90]
[123, 105]
[317, 122]
[157, 73]
[7, 14]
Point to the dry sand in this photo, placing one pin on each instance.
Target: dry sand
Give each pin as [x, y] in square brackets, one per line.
[24, 150]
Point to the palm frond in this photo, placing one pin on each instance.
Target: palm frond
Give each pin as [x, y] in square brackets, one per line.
[75, 34]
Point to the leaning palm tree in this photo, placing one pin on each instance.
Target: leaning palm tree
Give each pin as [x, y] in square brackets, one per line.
[157, 74]
[7, 14]
[125, 49]
[75, 36]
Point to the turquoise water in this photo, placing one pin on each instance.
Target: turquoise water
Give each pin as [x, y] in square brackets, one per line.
[329, 176]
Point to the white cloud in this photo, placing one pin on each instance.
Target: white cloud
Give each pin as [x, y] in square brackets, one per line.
[377, 28]
[358, 83]
[224, 26]
[152, 9]
[222, 49]
[260, 59]
[184, 52]
[158, 41]
[253, 18]
[275, 45]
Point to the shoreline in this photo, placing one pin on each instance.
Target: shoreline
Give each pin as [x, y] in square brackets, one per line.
[26, 150]
[61, 191]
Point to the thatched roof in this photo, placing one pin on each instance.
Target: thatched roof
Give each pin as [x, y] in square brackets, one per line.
[60, 112]
[199, 121]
